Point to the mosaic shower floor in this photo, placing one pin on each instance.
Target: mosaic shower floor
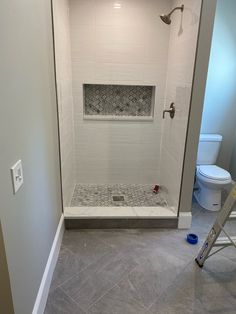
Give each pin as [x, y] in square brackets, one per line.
[124, 195]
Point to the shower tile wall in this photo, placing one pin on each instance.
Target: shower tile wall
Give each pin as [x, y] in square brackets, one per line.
[127, 46]
[183, 41]
[65, 98]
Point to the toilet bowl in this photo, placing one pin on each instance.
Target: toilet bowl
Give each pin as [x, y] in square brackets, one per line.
[211, 179]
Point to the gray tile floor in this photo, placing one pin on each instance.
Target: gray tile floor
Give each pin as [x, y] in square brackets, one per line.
[106, 195]
[142, 271]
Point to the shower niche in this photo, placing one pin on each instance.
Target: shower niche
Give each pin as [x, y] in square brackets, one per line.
[118, 102]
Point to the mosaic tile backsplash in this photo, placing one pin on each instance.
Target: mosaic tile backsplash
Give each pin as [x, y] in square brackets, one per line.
[118, 100]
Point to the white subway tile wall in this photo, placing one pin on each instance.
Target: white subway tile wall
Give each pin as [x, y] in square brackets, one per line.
[65, 97]
[181, 58]
[126, 46]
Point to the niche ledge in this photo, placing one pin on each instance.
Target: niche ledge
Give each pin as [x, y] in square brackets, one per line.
[117, 118]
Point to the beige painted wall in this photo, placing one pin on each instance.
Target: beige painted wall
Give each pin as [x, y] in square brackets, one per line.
[5, 288]
[219, 111]
[28, 131]
[233, 160]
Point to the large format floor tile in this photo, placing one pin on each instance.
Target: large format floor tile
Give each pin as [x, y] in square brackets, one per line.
[119, 302]
[60, 303]
[142, 271]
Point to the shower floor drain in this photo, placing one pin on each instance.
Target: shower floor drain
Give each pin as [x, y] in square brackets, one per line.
[118, 198]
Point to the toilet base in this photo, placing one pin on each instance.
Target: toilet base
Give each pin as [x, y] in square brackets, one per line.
[208, 198]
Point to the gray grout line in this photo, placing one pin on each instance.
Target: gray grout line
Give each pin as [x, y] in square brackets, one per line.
[94, 301]
[72, 299]
[184, 266]
[116, 283]
[59, 286]
[77, 273]
[106, 294]
[92, 304]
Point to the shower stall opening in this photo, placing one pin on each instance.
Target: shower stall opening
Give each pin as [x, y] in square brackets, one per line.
[118, 200]
[119, 65]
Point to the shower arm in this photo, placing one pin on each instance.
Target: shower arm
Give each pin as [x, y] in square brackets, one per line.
[177, 8]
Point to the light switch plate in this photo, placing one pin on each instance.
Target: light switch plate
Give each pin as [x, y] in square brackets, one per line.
[17, 176]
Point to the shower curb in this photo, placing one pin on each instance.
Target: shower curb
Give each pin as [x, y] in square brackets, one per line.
[121, 223]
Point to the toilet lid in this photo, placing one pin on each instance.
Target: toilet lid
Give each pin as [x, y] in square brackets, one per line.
[214, 172]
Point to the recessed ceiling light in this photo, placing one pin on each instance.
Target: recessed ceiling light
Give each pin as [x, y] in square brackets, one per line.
[117, 5]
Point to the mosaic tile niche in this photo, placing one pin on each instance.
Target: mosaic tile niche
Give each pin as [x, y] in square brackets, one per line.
[118, 100]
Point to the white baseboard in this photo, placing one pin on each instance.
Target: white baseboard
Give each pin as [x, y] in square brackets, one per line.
[185, 220]
[42, 295]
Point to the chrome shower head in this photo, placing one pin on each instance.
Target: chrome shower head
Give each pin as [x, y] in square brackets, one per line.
[166, 17]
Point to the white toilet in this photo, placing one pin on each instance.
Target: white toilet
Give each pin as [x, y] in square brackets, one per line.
[210, 178]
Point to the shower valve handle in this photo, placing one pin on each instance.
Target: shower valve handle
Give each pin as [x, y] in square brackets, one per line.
[171, 111]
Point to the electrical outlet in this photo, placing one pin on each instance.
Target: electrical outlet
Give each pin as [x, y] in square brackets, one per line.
[17, 176]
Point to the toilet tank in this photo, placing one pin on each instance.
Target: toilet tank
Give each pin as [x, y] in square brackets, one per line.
[208, 149]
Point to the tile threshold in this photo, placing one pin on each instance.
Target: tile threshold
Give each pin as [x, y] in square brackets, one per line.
[119, 212]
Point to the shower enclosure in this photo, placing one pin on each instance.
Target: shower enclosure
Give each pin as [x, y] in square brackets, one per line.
[118, 67]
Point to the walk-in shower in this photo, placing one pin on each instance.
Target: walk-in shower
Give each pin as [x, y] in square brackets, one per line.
[117, 70]
[166, 17]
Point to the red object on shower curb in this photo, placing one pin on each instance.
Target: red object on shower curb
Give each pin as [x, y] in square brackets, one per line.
[156, 189]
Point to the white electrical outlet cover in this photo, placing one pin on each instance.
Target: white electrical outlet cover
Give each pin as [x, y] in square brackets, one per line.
[17, 176]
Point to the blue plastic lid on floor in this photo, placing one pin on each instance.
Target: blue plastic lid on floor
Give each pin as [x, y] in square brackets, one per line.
[192, 238]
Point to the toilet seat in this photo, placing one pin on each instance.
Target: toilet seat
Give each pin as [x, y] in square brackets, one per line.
[213, 174]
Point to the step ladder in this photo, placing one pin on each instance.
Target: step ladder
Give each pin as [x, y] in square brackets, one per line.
[213, 239]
